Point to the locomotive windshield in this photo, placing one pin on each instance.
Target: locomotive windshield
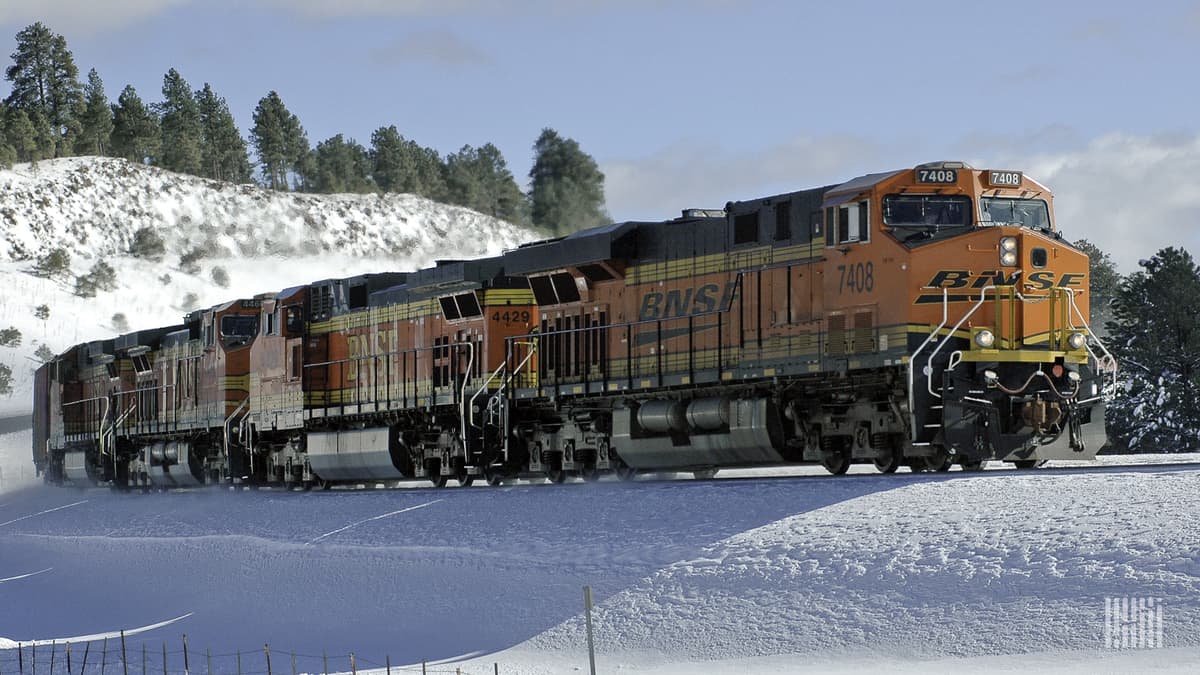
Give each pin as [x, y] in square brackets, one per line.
[926, 210]
[238, 329]
[1031, 213]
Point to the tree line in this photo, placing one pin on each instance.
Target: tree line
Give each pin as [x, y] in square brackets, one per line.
[51, 113]
[1150, 319]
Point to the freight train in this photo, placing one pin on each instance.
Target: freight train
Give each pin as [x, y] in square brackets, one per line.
[922, 317]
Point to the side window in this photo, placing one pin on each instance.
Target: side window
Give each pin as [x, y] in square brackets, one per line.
[853, 224]
[295, 320]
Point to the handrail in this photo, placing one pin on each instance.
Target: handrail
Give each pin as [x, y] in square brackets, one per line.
[913, 359]
[103, 416]
[532, 344]
[491, 378]
[1108, 361]
[225, 436]
[462, 391]
[929, 368]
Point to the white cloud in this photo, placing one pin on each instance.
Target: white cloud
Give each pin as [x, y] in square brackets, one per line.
[81, 17]
[1130, 195]
[439, 48]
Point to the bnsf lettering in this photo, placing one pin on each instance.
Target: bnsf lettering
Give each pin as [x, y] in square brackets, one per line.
[1041, 281]
[359, 348]
[950, 279]
[682, 302]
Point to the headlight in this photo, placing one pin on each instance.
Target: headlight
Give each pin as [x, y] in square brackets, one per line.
[1077, 340]
[1008, 251]
[985, 339]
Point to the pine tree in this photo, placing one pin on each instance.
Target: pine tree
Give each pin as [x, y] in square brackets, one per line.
[340, 166]
[180, 125]
[279, 140]
[135, 134]
[223, 150]
[43, 136]
[566, 186]
[20, 135]
[1156, 338]
[387, 158]
[479, 179]
[1103, 281]
[45, 80]
[97, 119]
[402, 165]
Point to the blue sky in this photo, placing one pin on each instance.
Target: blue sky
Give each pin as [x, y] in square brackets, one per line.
[697, 103]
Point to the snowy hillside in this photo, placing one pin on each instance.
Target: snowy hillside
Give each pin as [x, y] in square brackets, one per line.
[1003, 571]
[260, 239]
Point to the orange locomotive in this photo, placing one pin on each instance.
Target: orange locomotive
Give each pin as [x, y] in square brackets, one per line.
[918, 317]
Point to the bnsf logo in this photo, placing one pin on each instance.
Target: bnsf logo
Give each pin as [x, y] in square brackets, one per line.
[1041, 281]
[684, 301]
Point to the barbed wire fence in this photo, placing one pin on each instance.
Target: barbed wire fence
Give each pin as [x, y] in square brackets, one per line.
[122, 656]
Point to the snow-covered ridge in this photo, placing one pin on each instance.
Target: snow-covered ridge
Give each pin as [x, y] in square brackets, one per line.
[92, 206]
[258, 240]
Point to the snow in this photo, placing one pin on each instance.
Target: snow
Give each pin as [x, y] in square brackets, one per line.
[999, 572]
[264, 240]
[769, 571]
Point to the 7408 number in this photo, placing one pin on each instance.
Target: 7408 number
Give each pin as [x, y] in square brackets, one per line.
[857, 278]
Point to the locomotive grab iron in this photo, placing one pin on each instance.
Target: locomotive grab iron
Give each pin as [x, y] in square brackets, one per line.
[920, 317]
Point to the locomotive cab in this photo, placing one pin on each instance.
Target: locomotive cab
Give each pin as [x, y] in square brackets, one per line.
[1002, 361]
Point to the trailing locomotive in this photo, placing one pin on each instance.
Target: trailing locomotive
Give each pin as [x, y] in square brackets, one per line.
[920, 317]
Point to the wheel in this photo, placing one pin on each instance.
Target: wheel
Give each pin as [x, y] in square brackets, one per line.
[464, 479]
[493, 476]
[971, 464]
[1029, 463]
[889, 463]
[437, 479]
[705, 474]
[836, 463]
[626, 473]
[556, 475]
[589, 474]
[940, 461]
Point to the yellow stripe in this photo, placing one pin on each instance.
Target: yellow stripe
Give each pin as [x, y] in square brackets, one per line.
[725, 262]
[503, 296]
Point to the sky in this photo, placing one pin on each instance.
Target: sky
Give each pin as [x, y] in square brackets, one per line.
[696, 103]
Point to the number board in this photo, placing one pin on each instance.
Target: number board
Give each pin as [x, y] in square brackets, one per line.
[1004, 178]
[941, 176]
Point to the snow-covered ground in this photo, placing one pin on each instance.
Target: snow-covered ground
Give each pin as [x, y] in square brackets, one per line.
[263, 241]
[1003, 571]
